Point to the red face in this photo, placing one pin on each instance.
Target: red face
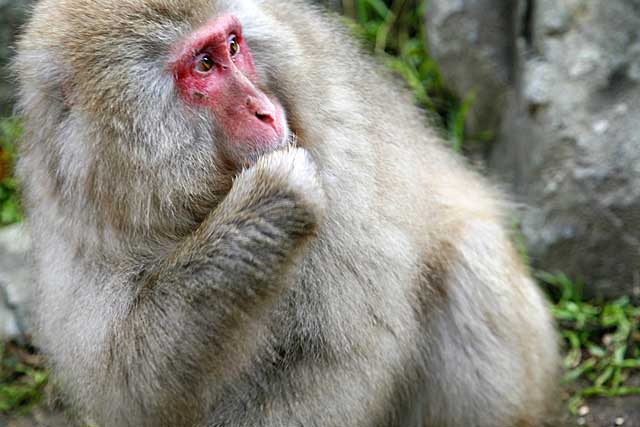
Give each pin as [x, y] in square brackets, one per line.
[214, 69]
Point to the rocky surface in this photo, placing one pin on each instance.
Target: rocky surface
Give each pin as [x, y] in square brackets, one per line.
[15, 283]
[12, 16]
[567, 126]
[474, 53]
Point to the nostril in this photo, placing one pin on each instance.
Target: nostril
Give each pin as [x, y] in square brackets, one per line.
[267, 118]
[262, 109]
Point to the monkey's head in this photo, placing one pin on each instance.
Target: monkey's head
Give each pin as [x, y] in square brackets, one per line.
[165, 96]
[141, 66]
[213, 70]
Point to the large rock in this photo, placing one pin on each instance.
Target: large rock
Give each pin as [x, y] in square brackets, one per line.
[569, 141]
[16, 284]
[12, 16]
[473, 52]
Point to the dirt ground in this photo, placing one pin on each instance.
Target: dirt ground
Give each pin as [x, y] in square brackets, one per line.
[609, 412]
[598, 412]
[38, 418]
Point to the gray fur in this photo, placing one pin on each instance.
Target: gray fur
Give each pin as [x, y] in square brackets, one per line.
[361, 279]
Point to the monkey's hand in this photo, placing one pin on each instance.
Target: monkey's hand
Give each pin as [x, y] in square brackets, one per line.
[248, 241]
[287, 180]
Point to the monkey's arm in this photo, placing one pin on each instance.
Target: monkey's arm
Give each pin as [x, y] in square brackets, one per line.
[246, 243]
[195, 308]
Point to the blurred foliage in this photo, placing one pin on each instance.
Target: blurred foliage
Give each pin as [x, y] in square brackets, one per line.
[10, 131]
[602, 341]
[394, 29]
[23, 379]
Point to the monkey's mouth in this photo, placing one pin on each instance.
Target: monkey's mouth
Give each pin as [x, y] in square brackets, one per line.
[245, 152]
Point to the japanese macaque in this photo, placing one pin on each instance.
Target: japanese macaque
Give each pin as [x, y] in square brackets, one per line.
[240, 220]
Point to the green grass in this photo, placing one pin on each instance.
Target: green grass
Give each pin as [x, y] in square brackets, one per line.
[22, 379]
[9, 201]
[602, 341]
[394, 30]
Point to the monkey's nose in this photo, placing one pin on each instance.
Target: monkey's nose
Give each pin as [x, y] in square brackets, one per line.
[263, 109]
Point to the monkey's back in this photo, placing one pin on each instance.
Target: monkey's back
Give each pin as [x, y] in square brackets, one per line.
[419, 243]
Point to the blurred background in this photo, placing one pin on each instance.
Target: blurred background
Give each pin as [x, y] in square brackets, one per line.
[542, 96]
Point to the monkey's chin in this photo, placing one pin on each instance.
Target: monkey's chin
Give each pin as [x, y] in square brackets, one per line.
[246, 154]
[287, 139]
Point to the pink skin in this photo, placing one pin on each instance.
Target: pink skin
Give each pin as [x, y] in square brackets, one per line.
[252, 121]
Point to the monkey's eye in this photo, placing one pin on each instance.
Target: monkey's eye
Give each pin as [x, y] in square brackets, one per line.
[234, 46]
[205, 64]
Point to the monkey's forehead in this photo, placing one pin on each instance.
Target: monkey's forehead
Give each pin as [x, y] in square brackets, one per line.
[84, 30]
[82, 25]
